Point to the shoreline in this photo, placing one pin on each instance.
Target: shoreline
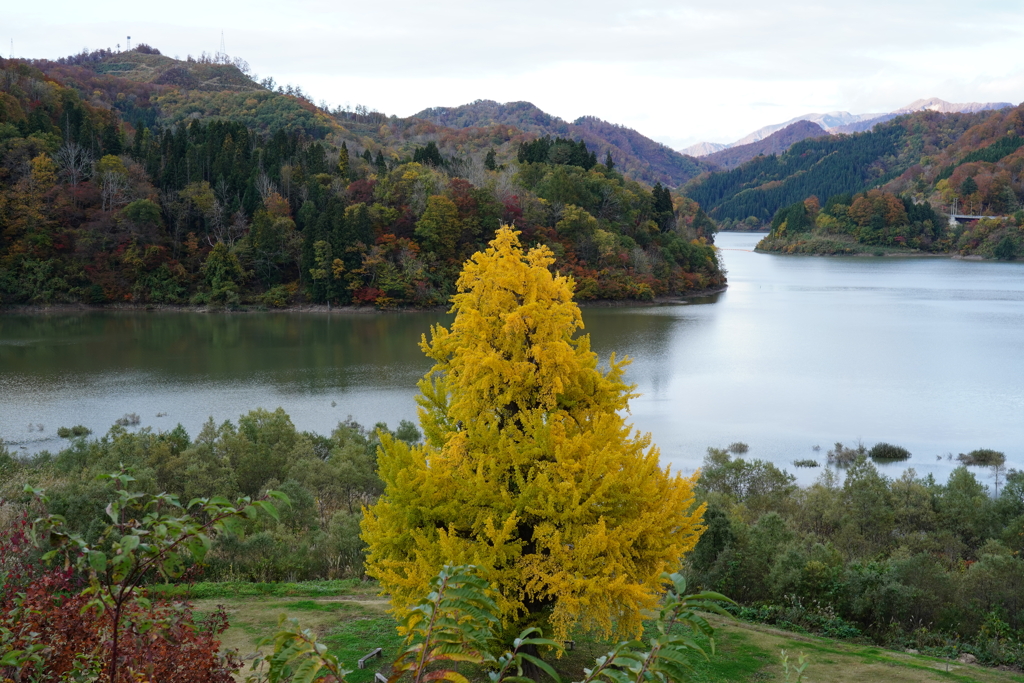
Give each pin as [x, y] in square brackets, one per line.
[889, 253]
[871, 254]
[64, 309]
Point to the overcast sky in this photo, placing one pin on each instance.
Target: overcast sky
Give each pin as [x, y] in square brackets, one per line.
[679, 72]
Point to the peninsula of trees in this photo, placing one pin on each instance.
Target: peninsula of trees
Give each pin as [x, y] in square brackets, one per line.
[899, 186]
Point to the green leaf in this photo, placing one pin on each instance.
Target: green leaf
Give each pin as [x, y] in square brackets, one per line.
[542, 665]
[129, 543]
[617, 676]
[98, 561]
[269, 508]
[281, 496]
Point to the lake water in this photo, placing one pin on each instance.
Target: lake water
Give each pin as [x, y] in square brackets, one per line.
[798, 352]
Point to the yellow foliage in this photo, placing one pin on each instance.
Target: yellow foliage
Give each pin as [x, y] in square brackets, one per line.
[528, 469]
[200, 195]
[607, 243]
[111, 164]
[44, 172]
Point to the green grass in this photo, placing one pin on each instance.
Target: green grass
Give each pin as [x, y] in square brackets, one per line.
[350, 640]
[350, 618]
[235, 589]
[737, 659]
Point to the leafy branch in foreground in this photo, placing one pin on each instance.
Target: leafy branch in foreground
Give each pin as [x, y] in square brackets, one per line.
[669, 654]
[297, 657]
[147, 535]
[455, 622]
[788, 668]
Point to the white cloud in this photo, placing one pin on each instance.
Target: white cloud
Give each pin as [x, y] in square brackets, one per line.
[677, 71]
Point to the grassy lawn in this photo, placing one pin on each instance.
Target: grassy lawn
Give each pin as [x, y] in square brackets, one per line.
[351, 619]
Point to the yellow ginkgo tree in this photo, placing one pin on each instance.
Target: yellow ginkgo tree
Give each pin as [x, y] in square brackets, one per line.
[528, 470]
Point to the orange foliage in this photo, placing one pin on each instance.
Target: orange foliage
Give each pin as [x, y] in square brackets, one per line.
[277, 206]
[876, 202]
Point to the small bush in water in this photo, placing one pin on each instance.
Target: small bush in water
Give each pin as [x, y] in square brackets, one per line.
[887, 451]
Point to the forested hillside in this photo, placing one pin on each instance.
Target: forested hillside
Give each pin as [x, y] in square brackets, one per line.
[979, 172]
[133, 177]
[832, 165]
[635, 155]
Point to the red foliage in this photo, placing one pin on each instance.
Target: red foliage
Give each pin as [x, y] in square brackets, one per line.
[461, 192]
[367, 295]
[45, 606]
[361, 191]
[513, 210]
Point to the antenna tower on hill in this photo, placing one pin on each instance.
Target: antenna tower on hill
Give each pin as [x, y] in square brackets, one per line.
[129, 43]
[223, 50]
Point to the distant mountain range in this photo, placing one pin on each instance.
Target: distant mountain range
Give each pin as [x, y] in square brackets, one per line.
[845, 122]
[927, 155]
[634, 154]
[776, 143]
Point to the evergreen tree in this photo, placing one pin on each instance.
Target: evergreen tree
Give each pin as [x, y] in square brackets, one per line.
[112, 139]
[344, 162]
[662, 198]
[489, 160]
[429, 155]
[968, 187]
[608, 162]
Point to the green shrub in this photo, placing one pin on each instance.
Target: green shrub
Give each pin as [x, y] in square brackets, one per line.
[985, 457]
[275, 297]
[841, 456]
[1006, 249]
[887, 451]
[73, 432]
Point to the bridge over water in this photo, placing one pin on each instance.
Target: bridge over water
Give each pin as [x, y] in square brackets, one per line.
[960, 218]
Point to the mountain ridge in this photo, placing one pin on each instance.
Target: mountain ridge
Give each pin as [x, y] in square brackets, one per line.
[776, 143]
[845, 122]
[925, 155]
[635, 154]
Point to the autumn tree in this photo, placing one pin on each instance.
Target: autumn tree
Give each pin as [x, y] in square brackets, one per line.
[223, 274]
[440, 228]
[576, 223]
[528, 470]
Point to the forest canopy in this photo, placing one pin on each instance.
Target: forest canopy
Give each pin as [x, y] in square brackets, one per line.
[128, 186]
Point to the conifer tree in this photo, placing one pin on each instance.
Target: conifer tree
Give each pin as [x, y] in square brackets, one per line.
[528, 469]
[344, 162]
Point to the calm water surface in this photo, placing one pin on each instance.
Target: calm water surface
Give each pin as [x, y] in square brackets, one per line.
[800, 351]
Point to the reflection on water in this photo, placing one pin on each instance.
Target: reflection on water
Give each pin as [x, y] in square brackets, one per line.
[315, 350]
[799, 351]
